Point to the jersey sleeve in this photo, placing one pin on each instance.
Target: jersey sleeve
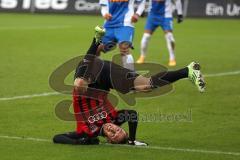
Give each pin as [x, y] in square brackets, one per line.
[103, 2]
[104, 7]
[179, 8]
[141, 6]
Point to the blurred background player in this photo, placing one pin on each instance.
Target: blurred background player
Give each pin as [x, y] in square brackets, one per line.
[161, 14]
[119, 18]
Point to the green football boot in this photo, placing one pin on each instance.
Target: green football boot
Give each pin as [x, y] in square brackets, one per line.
[99, 33]
[195, 75]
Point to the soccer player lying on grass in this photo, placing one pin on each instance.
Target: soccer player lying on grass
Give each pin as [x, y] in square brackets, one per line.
[104, 123]
[94, 113]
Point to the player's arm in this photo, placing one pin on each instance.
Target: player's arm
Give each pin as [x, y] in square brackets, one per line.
[87, 72]
[90, 66]
[75, 139]
[80, 85]
[105, 9]
[179, 8]
[140, 10]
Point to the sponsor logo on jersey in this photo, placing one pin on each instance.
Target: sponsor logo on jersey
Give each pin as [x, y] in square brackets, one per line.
[97, 117]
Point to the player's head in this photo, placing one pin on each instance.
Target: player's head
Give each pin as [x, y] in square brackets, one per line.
[114, 133]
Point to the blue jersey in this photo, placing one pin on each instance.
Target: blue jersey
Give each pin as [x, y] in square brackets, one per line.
[121, 11]
[164, 8]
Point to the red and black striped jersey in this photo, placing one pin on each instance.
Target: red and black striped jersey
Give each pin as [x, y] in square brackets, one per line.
[92, 110]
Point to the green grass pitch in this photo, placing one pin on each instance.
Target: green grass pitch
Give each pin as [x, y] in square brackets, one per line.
[32, 46]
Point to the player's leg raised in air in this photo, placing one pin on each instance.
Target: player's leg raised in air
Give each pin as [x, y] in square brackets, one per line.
[108, 75]
[99, 118]
[118, 76]
[192, 71]
[136, 82]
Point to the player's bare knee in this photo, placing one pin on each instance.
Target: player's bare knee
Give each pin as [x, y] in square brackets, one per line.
[169, 36]
[142, 84]
[124, 51]
[100, 49]
[124, 48]
[109, 46]
[143, 88]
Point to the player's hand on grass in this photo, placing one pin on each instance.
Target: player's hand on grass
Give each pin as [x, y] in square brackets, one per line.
[179, 18]
[107, 16]
[80, 85]
[137, 143]
[135, 18]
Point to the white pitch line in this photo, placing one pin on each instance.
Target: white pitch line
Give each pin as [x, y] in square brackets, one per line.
[196, 150]
[30, 96]
[223, 74]
[33, 27]
[25, 138]
[55, 93]
[182, 149]
[138, 147]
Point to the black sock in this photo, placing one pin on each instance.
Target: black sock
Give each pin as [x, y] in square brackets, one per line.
[165, 78]
[93, 48]
[132, 130]
[132, 123]
[131, 117]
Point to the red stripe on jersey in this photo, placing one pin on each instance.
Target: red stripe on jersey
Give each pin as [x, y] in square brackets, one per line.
[112, 112]
[96, 109]
[93, 105]
[86, 113]
[78, 117]
[97, 103]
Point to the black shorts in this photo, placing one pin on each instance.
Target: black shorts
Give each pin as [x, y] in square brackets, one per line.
[106, 75]
[113, 76]
[122, 79]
